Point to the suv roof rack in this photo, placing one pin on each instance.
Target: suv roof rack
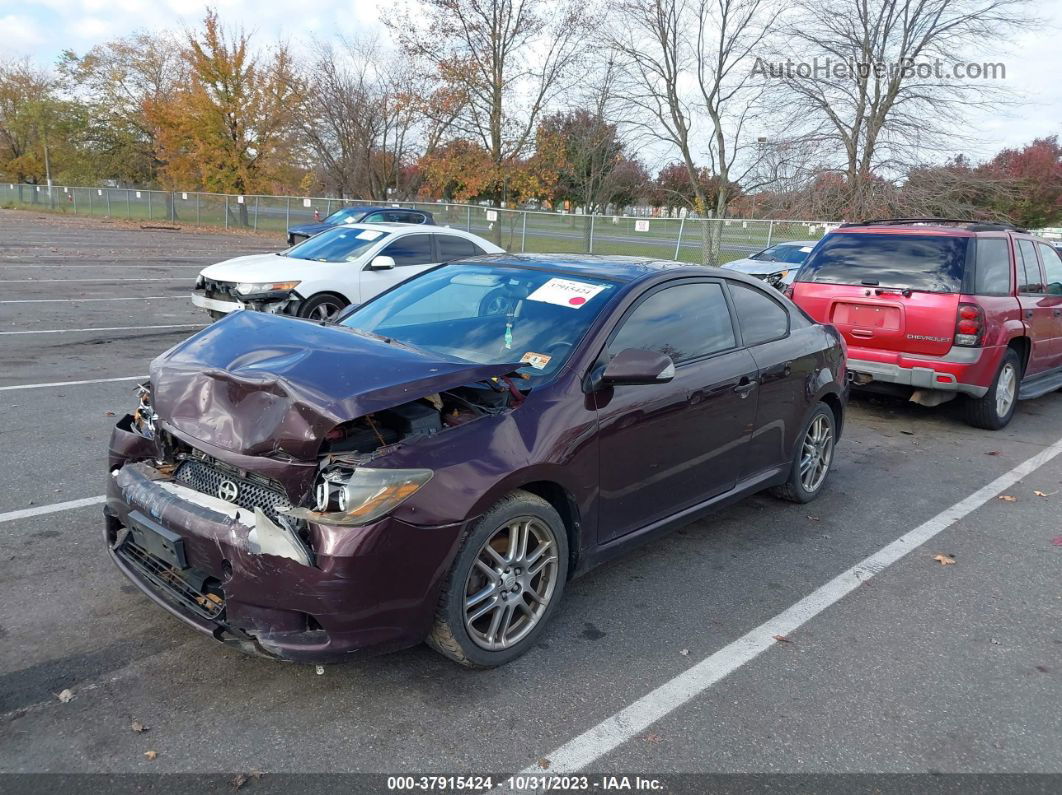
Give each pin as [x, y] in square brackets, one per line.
[973, 226]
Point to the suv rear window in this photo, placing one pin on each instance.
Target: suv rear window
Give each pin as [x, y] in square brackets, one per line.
[929, 263]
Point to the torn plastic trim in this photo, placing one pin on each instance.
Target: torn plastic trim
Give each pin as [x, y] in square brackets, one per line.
[269, 538]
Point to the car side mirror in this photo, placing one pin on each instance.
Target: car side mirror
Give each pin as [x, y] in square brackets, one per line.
[382, 263]
[634, 366]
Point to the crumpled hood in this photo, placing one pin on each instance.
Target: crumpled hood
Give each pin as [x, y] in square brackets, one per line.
[254, 383]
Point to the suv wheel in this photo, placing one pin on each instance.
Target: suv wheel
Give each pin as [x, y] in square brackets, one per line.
[812, 460]
[505, 584]
[995, 408]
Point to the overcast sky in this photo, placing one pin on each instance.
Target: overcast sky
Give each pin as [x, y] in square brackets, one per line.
[44, 28]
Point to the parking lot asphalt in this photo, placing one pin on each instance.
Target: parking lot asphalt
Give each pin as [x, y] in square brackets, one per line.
[923, 667]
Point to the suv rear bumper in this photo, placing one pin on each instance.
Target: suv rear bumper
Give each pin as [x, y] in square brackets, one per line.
[967, 371]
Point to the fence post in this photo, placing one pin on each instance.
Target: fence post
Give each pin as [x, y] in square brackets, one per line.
[226, 211]
[770, 231]
[256, 200]
[128, 205]
[678, 243]
[90, 201]
[73, 199]
[287, 215]
[591, 246]
[523, 235]
[197, 209]
[173, 207]
[468, 223]
[149, 205]
[108, 202]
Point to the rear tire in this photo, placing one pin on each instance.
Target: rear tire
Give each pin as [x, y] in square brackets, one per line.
[995, 409]
[323, 307]
[812, 459]
[505, 584]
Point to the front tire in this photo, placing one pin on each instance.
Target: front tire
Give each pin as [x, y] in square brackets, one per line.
[813, 458]
[323, 307]
[995, 409]
[505, 584]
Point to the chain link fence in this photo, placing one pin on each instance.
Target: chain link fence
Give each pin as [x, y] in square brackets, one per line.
[687, 239]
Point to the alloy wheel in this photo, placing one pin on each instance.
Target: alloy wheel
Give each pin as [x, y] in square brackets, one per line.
[1006, 389]
[816, 454]
[325, 311]
[510, 584]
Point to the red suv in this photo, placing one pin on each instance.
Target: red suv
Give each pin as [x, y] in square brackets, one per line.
[934, 308]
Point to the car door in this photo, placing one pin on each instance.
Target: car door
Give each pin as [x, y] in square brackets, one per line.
[785, 361]
[453, 247]
[1037, 308]
[666, 447]
[1052, 269]
[411, 253]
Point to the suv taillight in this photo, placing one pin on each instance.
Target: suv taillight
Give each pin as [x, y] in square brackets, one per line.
[969, 325]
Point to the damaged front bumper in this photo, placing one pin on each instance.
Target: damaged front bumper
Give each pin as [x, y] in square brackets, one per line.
[321, 595]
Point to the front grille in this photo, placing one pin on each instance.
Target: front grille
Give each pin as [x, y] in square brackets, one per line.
[207, 478]
[168, 580]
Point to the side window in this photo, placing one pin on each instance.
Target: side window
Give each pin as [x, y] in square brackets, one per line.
[1032, 282]
[410, 250]
[762, 319]
[1052, 268]
[454, 247]
[993, 267]
[374, 218]
[685, 321]
[410, 218]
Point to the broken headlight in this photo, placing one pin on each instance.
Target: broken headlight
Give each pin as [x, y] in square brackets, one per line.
[361, 496]
[254, 288]
[777, 279]
[144, 417]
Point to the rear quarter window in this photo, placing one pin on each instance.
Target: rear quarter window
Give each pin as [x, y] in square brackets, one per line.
[931, 263]
[992, 273]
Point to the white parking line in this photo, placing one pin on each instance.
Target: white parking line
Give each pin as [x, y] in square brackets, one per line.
[78, 300]
[122, 279]
[631, 721]
[105, 328]
[73, 383]
[39, 510]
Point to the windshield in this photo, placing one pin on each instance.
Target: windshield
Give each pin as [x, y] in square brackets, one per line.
[929, 263]
[790, 253]
[345, 214]
[488, 314]
[340, 244]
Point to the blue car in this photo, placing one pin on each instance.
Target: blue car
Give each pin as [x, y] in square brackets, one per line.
[353, 215]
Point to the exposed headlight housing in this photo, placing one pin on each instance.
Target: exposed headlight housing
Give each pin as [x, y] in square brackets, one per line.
[352, 498]
[144, 417]
[777, 279]
[253, 288]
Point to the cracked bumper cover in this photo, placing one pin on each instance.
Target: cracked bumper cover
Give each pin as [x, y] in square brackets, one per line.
[959, 371]
[364, 590]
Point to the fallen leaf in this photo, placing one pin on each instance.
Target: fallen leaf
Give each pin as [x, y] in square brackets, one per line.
[151, 756]
[1007, 498]
[781, 638]
[544, 763]
[138, 727]
[653, 738]
[65, 696]
[239, 780]
[1057, 541]
[944, 560]
[993, 452]
[813, 518]
[1039, 494]
[108, 414]
[908, 433]
[685, 652]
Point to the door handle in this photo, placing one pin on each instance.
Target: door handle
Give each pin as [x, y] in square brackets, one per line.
[745, 386]
[1028, 314]
[1057, 312]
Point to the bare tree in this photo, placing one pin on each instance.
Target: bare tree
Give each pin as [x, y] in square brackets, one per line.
[500, 64]
[689, 85]
[874, 81]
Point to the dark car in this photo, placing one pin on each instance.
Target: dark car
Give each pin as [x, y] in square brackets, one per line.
[439, 463]
[359, 215]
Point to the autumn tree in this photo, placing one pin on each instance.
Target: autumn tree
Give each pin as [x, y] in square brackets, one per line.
[1035, 174]
[231, 128]
[501, 63]
[28, 121]
[124, 83]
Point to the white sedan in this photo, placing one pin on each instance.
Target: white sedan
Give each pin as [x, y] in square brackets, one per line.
[344, 265]
[776, 265]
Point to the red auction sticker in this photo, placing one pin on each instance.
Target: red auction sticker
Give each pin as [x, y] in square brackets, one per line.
[577, 301]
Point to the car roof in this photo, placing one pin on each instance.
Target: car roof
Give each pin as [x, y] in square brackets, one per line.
[793, 243]
[603, 266]
[396, 226]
